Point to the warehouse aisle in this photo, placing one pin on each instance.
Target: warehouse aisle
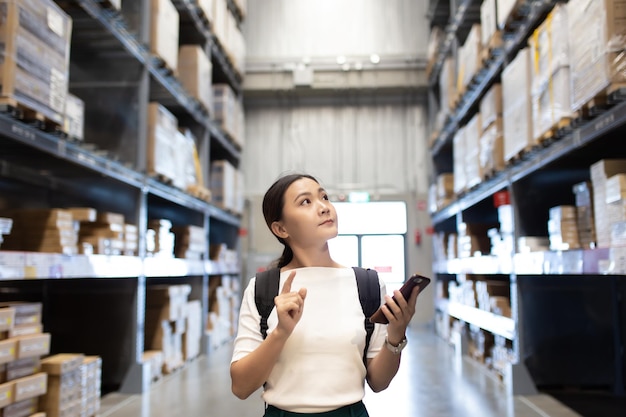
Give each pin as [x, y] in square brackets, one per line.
[431, 383]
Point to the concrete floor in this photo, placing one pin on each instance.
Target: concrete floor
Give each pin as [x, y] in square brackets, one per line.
[432, 382]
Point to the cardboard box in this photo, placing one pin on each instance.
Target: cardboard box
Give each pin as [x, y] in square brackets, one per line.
[162, 127]
[597, 31]
[517, 105]
[165, 22]
[473, 133]
[615, 188]
[33, 345]
[505, 9]
[20, 368]
[21, 408]
[491, 157]
[491, 106]
[30, 386]
[458, 161]
[26, 313]
[6, 394]
[36, 47]
[7, 318]
[600, 172]
[448, 86]
[195, 73]
[62, 363]
[74, 117]
[8, 350]
[470, 58]
[222, 184]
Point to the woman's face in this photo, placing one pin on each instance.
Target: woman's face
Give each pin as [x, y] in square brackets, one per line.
[308, 218]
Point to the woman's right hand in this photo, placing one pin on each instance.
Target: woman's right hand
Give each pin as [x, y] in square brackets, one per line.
[289, 306]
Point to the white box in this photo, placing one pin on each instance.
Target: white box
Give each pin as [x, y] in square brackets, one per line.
[517, 105]
[165, 23]
[488, 21]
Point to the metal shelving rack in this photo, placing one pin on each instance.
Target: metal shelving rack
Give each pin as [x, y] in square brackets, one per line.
[543, 178]
[103, 297]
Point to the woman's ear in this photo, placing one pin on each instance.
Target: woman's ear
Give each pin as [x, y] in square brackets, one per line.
[279, 230]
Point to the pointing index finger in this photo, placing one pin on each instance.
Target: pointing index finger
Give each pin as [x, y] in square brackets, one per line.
[287, 285]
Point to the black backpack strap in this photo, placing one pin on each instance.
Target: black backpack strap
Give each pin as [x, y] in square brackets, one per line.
[265, 290]
[369, 296]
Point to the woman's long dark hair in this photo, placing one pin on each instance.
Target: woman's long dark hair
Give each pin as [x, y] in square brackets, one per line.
[273, 203]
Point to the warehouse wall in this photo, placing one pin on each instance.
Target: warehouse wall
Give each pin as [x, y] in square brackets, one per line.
[299, 28]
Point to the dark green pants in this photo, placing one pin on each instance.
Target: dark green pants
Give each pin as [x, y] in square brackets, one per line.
[354, 410]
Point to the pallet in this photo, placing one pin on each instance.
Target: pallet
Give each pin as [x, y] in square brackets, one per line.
[200, 192]
[164, 67]
[520, 156]
[556, 131]
[492, 49]
[33, 117]
[602, 101]
[163, 179]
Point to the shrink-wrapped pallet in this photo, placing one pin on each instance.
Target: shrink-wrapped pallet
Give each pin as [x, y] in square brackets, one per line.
[552, 108]
[473, 132]
[164, 34]
[458, 161]
[597, 42]
[470, 60]
[447, 86]
[491, 157]
[34, 53]
[491, 106]
[195, 73]
[517, 106]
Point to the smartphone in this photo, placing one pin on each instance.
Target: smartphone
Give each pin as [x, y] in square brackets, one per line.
[416, 280]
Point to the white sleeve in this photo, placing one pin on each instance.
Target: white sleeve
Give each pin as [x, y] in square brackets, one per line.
[249, 331]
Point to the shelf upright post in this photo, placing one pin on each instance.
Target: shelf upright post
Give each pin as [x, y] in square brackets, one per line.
[137, 379]
[517, 378]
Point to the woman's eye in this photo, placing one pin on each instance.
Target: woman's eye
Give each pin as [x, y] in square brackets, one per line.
[305, 202]
[325, 197]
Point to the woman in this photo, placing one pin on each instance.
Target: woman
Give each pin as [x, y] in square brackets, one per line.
[311, 361]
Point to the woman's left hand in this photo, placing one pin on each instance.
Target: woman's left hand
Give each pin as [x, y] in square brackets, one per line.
[399, 314]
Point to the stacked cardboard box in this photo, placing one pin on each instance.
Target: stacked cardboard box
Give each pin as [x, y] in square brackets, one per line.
[63, 396]
[190, 242]
[228, 34]
[166, 322]
[164, 25]
[490, 35]
[162, 130]
[228, 112]
[469, 58]
[458, 161]
[35, 43]
[195, 73]
[74, 117]
[223, 184]
[616, 204]
[551, 98]
[131, 239]
[597, 30]
[447, 86]
[221, 320]
[473, 132]
[584, 214]
[563, 228]
[472, 239]
[491, 157]
[432, 51]
[163, 238]
[493, 296]
[517, 105]
[601, 171]
[42, 230]
[105, 234]
[90, 385]
[444, 189]
[193, 333]
[22, 345]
